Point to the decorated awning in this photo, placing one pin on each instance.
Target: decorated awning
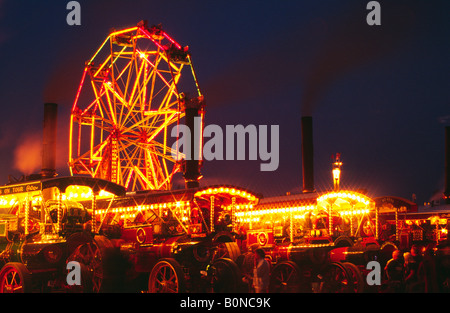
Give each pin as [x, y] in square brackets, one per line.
[346, 202]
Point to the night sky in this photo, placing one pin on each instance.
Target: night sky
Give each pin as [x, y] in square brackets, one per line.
[379, 95]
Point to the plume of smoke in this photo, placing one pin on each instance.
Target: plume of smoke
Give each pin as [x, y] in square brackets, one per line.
[351, 43]
[315, 53]
[62, 84]
[28, 154]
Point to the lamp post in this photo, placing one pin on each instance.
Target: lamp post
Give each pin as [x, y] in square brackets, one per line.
[337, 171]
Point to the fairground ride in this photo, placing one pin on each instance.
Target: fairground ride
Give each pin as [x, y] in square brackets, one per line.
[127, 104]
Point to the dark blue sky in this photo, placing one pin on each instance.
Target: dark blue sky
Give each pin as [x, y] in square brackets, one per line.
[378, 95]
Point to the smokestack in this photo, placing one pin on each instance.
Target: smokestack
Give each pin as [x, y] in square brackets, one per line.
[49, 140]
[447, 164]
[307, 154]
[193, 111]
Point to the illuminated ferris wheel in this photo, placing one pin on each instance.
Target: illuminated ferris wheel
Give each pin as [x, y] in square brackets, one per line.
[126, 106]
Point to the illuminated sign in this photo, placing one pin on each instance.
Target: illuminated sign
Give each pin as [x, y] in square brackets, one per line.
[393, 204]
[9, 190]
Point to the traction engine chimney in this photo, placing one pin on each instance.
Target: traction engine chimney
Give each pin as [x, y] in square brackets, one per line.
[307, 154]
[49, 140]
[193, 109]
[447, 165]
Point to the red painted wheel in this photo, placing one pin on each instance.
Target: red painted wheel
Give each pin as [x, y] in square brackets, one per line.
[167, 277]
[97, 265]
[285, 278]
[337, 279]
[226, 276]
[15, 278]
[357, 281]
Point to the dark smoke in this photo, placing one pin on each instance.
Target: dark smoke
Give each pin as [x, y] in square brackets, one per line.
[351, 43]
[62, 83]
[312, 54]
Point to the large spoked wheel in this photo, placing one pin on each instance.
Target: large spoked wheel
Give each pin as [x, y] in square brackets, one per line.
[337, 279]
[97, 270]
[226, 276]
[167, 277]
[285, 278]
[126, 106]
[15, 278]
[229, 250]
[357, 281]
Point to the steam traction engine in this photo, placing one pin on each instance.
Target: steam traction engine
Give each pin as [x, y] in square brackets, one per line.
[316, 243]
[167, 241]
[41, 223]
[302, 233]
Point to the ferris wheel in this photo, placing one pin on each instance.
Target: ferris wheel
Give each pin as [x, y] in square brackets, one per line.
[126, 106]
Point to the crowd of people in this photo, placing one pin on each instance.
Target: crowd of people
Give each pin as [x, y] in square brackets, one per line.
[417, 270]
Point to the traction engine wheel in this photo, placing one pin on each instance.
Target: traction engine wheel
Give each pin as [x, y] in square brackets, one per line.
[15, 278]
[336, 279]
[229, 250]
[167, 276]
[95, 257]
[358, 282]
[285, 278]
[226, 276]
